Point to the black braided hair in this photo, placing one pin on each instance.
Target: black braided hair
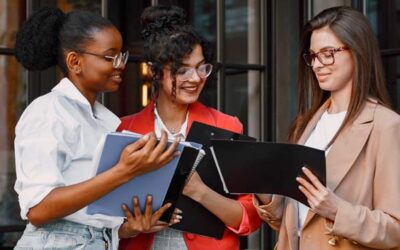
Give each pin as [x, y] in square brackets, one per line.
[168, 40]
[48, 33]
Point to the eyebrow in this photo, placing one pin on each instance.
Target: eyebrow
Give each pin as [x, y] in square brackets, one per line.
[326, 48]
[110, 50]
[197, 64]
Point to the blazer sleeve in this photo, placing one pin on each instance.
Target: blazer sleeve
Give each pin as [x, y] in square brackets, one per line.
[250, 220]
[378, 228]
[272, 212]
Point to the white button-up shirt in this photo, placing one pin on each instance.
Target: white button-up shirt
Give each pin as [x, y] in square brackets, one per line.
[56, 138]
[159, 126]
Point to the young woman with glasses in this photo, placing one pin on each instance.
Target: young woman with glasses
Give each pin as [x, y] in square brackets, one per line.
[58, 132]
[344, 110]
[179, 59]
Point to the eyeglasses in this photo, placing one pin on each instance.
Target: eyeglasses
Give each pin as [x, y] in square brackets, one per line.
[186, 73]
[116, 60]
[325, 57]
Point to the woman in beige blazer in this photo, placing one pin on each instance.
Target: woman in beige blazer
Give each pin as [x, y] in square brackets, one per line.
[341, 82]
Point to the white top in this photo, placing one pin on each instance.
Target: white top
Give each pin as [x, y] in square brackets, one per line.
[56, 138]
[162, 238]
[322, 134]
[159, 125]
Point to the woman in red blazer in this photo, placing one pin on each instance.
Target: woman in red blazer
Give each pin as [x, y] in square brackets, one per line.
[178, 57]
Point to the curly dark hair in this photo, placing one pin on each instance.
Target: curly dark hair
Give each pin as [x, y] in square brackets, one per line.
[49, 33]
[168, 40]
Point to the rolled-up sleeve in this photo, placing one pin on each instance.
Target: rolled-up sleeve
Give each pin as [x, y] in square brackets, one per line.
[250, 219]
[40, 156]
[272, 212]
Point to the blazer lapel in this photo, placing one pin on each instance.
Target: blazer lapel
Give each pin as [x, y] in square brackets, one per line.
[200, 113]
[143, 122]
[346, 148]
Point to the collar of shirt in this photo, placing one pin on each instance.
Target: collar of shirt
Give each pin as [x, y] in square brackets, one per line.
[159, 125]
[98, 112]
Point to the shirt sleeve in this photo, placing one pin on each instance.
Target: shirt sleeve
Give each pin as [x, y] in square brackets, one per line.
[41, 154]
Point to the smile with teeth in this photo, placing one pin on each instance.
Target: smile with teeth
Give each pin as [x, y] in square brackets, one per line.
[190, 88]
[116, 77]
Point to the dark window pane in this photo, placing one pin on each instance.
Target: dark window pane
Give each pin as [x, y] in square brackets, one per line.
[12, 15]
[242, 31]
[12, 103]
[242, 98]
[385, 20]
[392, 73]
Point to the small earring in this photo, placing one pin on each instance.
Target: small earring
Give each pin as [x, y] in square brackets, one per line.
[77, 70]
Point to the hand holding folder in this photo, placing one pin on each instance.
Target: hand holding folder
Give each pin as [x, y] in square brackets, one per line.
[197, 219]
[164, 184]
[265, 167]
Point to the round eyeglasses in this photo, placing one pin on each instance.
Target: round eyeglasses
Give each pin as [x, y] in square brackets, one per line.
[325, 57]
[116, 60]
[186, 73]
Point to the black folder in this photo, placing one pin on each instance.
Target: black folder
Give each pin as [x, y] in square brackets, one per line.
[197, 219]
[266, 167]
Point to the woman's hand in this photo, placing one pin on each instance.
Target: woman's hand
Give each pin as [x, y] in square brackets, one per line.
[320, 198]
[146, 155]
[148, 222]
[264, 198]
[195, 187]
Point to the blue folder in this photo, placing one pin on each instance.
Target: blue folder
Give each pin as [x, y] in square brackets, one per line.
[164, 184]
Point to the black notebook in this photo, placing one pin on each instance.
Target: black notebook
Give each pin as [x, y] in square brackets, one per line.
[266, 167]
[197, 219]
[164, 184]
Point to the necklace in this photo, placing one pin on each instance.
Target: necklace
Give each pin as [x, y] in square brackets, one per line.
[174, 130]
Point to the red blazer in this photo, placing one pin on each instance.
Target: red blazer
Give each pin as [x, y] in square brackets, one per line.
[143, 122]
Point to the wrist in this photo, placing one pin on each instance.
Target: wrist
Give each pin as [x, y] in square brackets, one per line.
[200, 194]
[120, 173]
[125, 232]
[264, 199]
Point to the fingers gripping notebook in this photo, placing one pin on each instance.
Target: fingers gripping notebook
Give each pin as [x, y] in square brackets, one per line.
[164, 184]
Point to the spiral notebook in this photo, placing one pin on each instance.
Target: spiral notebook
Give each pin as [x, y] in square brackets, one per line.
[196, 218]
[165, 184]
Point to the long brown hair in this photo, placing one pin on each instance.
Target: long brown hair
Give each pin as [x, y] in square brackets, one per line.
[355, 32]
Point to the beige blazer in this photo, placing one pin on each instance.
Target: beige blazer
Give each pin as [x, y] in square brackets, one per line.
[363, 168]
